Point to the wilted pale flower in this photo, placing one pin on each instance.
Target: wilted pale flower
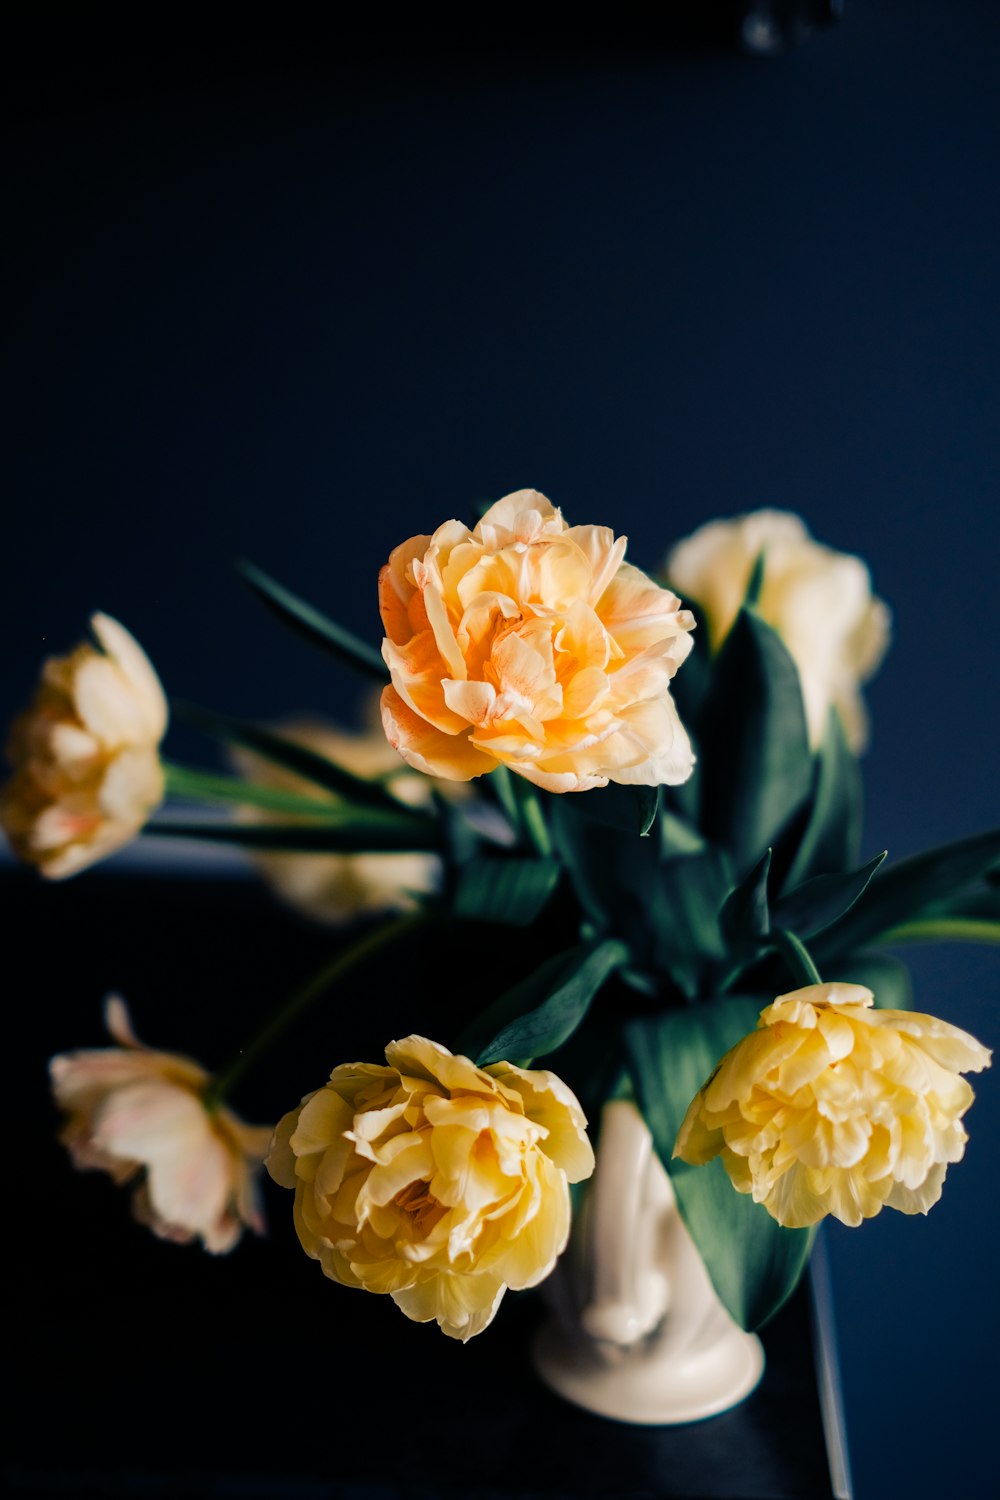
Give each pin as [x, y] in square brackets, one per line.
[433, 1180]
[819, 601]
[831, 1107]
[531, 644]
[87, 771]
[139, 1115]
[336, 887]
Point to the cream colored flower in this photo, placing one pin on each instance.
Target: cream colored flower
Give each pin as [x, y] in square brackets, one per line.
[819, 601]
[433, 1180]
[831, 1107]
[139, 1115]
[531, 644]
[87, 771]
[336, 887]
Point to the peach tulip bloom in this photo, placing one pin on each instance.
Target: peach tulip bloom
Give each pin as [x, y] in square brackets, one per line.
[87, 771]
[335, 888]
[818, 600]
[532, 644]
[140, 1116]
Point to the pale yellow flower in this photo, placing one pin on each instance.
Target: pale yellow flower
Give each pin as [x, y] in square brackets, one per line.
[87, 771]
[832, 1107]
[335, 888]
[139, 1115]
[438, 1182]
[531, 644]
[819, 601]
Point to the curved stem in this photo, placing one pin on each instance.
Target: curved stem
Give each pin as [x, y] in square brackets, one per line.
[796, 955]
[261, 1042]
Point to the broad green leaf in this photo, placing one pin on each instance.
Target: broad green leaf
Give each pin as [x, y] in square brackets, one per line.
[832, 834]
[632, 809]
[358, 833]
[611, 873]
[824, 899]
[685, 800]
[510, 891]
[756, 762]
[981, 902]
[559, 999]
[308, 621]
[754, 1263]
[745, 917]
[291, 756]
[901, 893]
[519, 999]
[684, 901]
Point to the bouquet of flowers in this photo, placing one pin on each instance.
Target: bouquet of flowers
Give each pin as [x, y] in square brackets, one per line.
[647, 790]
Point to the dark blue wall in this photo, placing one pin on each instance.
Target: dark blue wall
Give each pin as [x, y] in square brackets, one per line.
[303, 312]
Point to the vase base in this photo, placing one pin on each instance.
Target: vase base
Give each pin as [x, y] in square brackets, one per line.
[650, 1387]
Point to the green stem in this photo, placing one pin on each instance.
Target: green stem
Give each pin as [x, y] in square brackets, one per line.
[519, 800]
[261, 1042]
[535, 825]
[205, 786]
[795, 953]
[933, 929]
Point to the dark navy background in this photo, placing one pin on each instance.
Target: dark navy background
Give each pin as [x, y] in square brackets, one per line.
[301, 305]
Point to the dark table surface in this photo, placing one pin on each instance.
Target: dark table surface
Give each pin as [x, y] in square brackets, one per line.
[146, 1368]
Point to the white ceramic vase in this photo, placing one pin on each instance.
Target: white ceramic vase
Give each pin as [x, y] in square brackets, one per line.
[636, 1330]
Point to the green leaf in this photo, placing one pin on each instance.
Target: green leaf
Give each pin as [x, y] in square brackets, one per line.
[205, 786]
[360, 833]
[902, 892]
[678, 836]
[291, 756]
[824, 899]
[311, 623]
[754, 1263]
[632, 809]
[684, 900]
[559, 997]
[970, 916]
[756, 581]
[611, 873]
[930, 929]
[980, 903]
[745, 918]
[756, 761]
[510, 891]
[832, 835]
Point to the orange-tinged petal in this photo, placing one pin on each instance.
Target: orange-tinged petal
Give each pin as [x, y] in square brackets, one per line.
[428, 749]
[530, 633]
